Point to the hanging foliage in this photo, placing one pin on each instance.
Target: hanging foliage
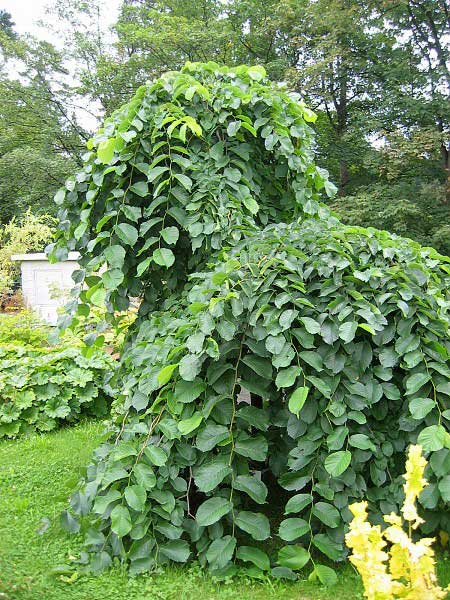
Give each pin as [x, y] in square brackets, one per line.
[281, 362]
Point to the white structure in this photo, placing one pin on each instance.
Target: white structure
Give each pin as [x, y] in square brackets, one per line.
[45, 285]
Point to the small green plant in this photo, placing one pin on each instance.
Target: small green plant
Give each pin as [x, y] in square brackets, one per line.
[23, 328]
[42, 388]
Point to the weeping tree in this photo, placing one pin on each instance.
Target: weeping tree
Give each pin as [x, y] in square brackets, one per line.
[281, 362]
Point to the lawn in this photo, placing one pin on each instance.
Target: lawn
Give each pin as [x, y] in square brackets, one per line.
[37, 475]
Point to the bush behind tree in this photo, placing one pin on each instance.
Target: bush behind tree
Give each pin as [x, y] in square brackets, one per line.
[279, 356]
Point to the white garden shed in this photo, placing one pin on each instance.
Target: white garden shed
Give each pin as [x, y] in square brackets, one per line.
[45, 285]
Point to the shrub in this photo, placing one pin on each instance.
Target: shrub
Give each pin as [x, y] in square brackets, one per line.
[42, 388]
[410, 572]
[29, 234]
[273, 368]
[24, 329]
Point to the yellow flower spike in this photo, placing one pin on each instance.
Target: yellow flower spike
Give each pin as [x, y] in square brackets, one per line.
[407, 569]
[414, 484]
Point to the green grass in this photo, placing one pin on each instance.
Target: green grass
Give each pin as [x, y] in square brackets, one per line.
[37, 475]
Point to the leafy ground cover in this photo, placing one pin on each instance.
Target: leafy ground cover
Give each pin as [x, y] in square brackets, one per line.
[36, 476]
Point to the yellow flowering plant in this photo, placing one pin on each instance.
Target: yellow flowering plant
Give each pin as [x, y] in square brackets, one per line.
[390, 563]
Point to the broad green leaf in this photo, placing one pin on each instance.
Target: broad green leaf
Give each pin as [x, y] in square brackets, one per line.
[115, 255]
[144, 476]
[255, 556]
[298, 399]
[257, 73]
[156, 455]
[163, 257]
[176, 550]
[127, 233]
[121, 520]
[326, 575]
[287, 377]
[221, 551]
[311, 325]
[187, 426]
[212, 510]
[297, 503]
[165, 375]
[252, 486]
[256, 524]
[415, 382]
[140, 188]
[432, 438]
[135, 495]
[292, 529]
[347, 331]
[211, 473]
[338, 462]
[293, 557]
[170, 235]
[361, 441]
[105, 150]
[327, 513]
[211, 436]
[189, 367]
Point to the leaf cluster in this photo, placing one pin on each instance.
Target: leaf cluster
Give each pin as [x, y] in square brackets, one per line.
[42, 387]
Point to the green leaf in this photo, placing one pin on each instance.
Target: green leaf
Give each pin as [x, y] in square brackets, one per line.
[144, 476]
[112, 278]
[185, 181]
[155, 173]
[165, 375]
[432, 438]
[257, 73]
[292, 529]
[140, 188]
[105, 150]
[444, 488]
[170, 235]
[176, 550]
[157, 456]
[327, 513]
[415, 382]
[293, 557]
[211, 473]
[327, 546]
[69, 523]
[255, 556]
[121, 520]
[256, 524]
[287, 377]
[115, 255]
[298, 399]
[347, 331]
[326, 575]
[187, 426]
[261, 366]
[311, 325]
[252, 486]
[135, 495]
[251, 204]
[189, 367]
[164, 257]
[127, 233]
[297, 503]
[221, 551]
[361, 441]
[211, 436]
[212, 510]
[338, 462]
